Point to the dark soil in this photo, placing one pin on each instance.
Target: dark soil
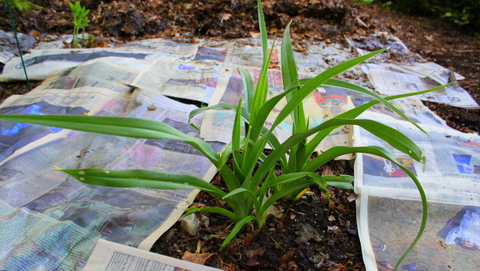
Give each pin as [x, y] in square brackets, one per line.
[307, 234]
[311, 234]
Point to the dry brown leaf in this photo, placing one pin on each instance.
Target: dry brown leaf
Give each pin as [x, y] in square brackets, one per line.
[332, 228]
[226, 17]
[352, 197]
[199, 258]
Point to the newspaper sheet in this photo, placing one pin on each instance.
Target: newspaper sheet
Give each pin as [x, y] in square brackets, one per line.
[323, 104]
[31, 240]
[412, 107]
[388, 226]
[321, 56]
[410, 75]
[396, 49]
[394, 79]
[422, 70]
[39, 228]
[99, 75]
[212, 56]
[389, 210]
[180, 80]
[16, 138]
[170, 50]
[109, 256]
[135, 217]
[247, 53]
[392, 83]
[39, 63]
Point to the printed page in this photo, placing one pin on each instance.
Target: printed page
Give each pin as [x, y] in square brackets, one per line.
[389, 208]
[169, 49]
[39, 63]
[108, 256]
[412, 107]
[429, 69]
[213, 53]
[134, 217]
[451, 171]
[99, 75]
[180, 80]
[389, 82]
[247, 53]
[388, 227]
[33, 241]
[18, 137]
[166, 156]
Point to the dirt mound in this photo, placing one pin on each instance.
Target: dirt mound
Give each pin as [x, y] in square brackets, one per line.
[214, 18]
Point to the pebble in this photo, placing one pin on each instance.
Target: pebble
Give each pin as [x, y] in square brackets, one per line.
[190, 224]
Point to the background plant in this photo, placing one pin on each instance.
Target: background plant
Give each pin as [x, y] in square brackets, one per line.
[251, 192]
[22, 5]
[80, 21]
[462, 12]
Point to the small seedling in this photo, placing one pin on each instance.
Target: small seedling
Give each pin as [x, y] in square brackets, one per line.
[80, 21]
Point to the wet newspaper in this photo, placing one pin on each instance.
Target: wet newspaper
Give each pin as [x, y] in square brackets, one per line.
[181, 80]
[45, 206]
[389, 207]
[100, 74]
[17, 138]
[392, 79]
[39, 63]
[395, 48]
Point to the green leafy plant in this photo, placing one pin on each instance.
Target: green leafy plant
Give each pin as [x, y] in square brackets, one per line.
[464, 13]
[91, 41]
[22, 5]
[80, 21]
[248, 189]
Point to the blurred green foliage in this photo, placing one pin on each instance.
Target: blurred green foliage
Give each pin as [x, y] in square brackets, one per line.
[465, 13]
[21, 5]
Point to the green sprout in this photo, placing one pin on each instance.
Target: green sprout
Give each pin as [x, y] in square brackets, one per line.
[80, 21]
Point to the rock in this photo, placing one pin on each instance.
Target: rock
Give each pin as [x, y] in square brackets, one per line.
[190, 224]
[205, 221]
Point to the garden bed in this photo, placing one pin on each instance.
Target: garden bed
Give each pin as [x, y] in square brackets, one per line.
[307, 234]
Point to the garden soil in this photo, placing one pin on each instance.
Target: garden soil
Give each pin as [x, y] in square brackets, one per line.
[310, 233]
